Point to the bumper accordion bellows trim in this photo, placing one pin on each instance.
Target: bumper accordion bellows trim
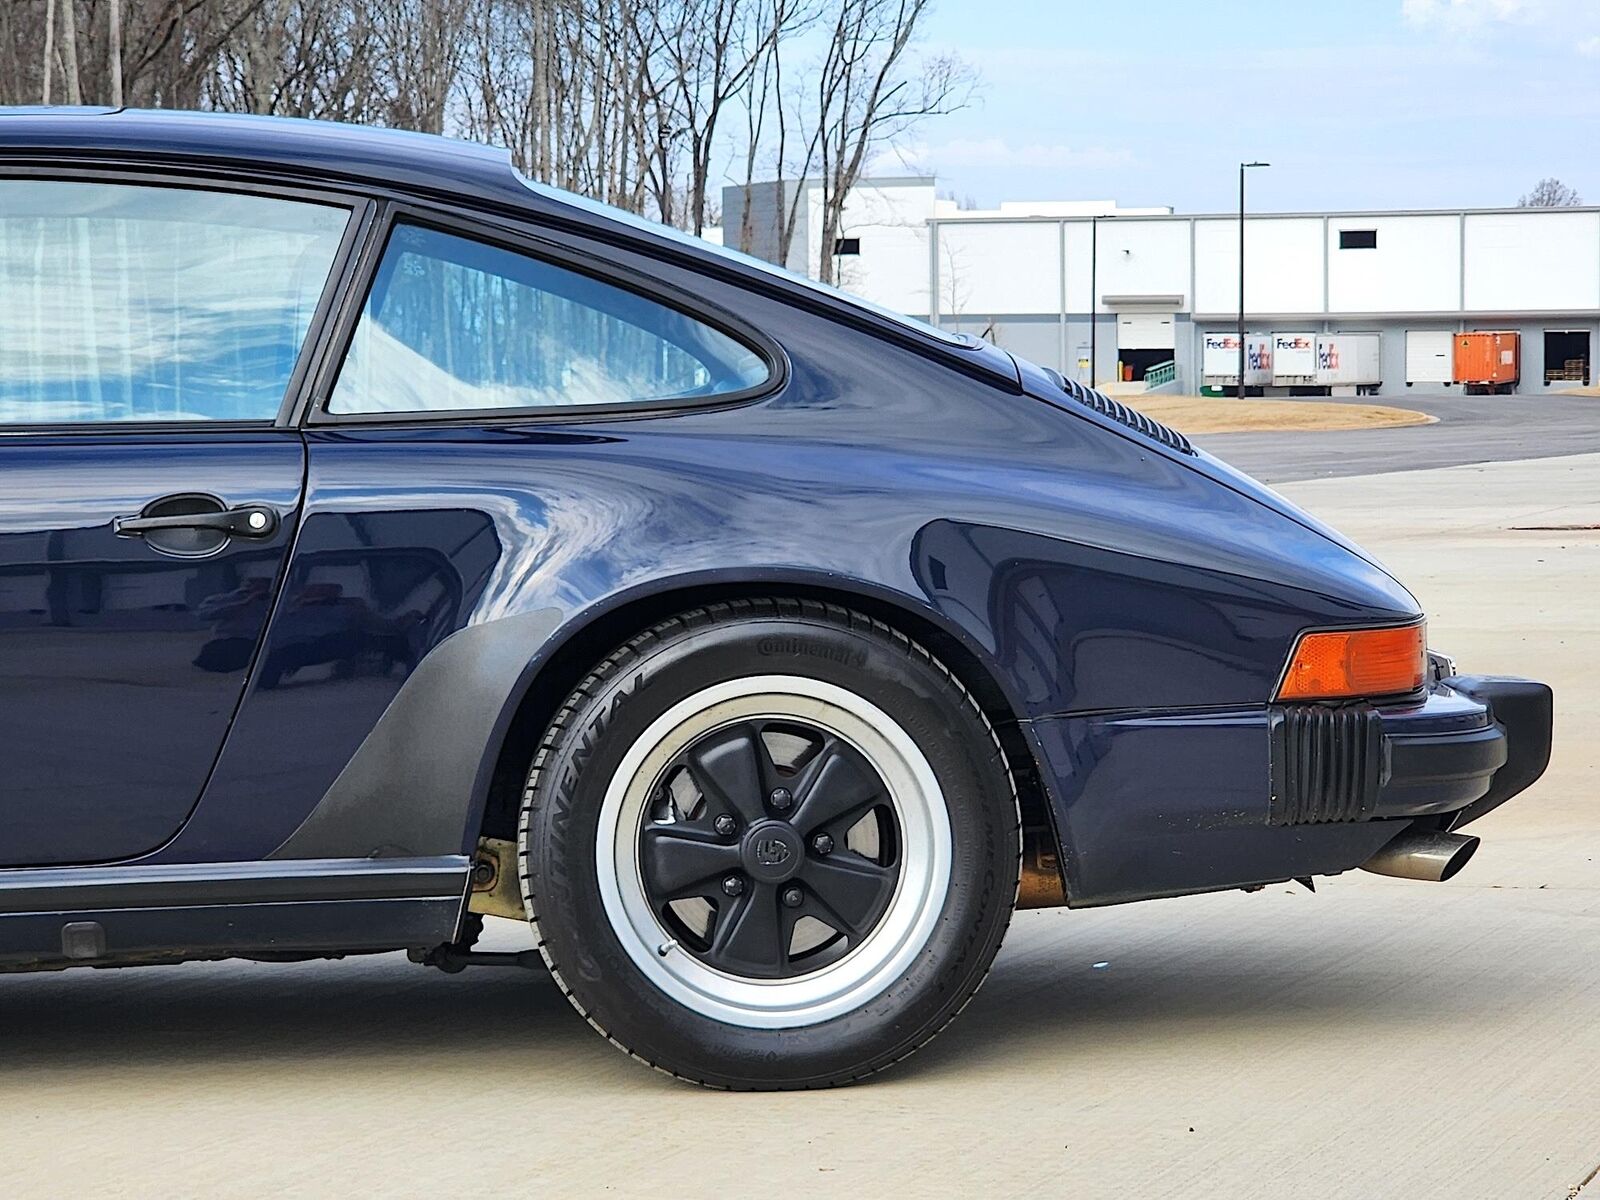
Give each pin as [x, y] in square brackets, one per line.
[1327, 763]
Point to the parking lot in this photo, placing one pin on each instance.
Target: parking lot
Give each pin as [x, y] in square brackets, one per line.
[1469, 429]
[1378, 1038]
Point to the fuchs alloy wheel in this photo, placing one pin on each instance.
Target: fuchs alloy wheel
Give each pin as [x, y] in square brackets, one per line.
[833, 873]
[770, 844]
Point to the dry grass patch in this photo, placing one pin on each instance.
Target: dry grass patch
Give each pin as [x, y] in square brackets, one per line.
[1220, 414]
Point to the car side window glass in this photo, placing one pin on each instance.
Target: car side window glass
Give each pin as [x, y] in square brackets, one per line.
[125, 302]
[456, 325]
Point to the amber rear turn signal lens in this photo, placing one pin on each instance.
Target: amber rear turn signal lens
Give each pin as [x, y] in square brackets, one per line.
[1351, 663]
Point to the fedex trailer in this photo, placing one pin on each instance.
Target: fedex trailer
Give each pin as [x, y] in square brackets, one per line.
[1219, 360]
[1294, 360]
[1349, 364]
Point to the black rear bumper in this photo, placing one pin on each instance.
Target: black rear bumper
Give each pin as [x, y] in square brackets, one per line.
[1525, 710]
[1467, 747]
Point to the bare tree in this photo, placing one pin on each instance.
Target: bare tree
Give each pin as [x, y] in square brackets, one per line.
[417, 60]
[714, 52]
[255, 73]
[296, 58]
[787, 208]
[49, 65]
[114, 50]
[556, 81]
[1551, 193]
[758, 96]
[631, 101]
[868, 92]
[953, 303]
[170, 49]
[69, 51]
[153, 53]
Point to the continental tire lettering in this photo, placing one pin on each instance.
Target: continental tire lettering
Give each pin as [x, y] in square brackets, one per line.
[626, 692]
[808, 648]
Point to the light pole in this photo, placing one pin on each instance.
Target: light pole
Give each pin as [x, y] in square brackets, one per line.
[1243, 167]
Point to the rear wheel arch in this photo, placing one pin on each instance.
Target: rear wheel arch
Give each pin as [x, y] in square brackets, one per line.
[589, 640]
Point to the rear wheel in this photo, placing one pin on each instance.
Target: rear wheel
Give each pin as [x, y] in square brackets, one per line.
[769, 844]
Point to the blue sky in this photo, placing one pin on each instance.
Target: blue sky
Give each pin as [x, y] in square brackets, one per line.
[1356, 103]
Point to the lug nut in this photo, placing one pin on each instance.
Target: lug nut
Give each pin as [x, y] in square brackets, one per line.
[733, 886]
[822, 844]
[792, 896]
[726, 825]
[781, 799]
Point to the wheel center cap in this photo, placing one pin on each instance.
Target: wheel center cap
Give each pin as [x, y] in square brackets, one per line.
[772, 851]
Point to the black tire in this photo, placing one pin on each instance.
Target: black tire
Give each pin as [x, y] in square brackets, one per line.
[560, 829]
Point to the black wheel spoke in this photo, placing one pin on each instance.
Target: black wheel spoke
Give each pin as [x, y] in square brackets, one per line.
[680, 862]
[852, 889]
[768, 848]
[734, 771]
[834, 784]
[748, 937]
[811, 906]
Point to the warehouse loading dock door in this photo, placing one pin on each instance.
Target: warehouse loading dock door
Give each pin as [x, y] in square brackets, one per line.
[1566, 356]
[1429, 356]
[1144, 340]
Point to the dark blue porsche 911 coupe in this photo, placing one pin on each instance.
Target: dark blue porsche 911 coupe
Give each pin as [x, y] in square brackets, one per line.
[387, 541]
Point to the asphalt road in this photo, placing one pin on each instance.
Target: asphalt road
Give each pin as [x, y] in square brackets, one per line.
[1470, 429]
[1378, 1039]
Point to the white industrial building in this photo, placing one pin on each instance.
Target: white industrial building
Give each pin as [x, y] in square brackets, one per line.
[1162, 286]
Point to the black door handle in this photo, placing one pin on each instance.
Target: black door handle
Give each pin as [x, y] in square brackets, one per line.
[247, 521]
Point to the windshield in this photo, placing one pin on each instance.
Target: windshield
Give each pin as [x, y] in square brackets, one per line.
[635, 221]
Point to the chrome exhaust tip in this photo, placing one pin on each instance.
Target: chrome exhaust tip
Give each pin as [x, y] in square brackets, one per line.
[1429, 855]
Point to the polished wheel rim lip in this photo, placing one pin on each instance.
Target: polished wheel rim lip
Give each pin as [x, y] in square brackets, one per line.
[866, 970]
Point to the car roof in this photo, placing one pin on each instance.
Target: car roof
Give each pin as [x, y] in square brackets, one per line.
[383, 157]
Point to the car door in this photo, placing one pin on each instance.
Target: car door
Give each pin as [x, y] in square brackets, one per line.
[152, 335]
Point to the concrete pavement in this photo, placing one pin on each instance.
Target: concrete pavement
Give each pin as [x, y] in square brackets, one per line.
[1378, 1039]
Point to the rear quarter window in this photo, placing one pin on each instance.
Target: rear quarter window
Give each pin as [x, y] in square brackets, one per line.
[456, 325]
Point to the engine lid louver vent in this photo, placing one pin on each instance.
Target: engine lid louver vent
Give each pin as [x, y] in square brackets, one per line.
[1123, 415]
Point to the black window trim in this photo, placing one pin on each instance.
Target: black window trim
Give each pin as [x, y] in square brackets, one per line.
[361, 209]
[1368, 236]
[528, 239]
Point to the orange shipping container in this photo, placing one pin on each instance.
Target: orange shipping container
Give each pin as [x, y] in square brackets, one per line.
[1488, 359]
